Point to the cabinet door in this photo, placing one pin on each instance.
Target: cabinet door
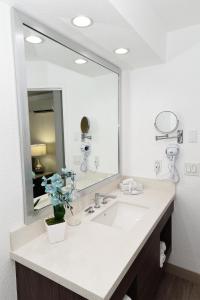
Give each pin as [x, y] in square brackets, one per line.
[34, 286]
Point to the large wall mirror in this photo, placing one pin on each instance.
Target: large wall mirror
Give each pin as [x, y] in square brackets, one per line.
[73, 110]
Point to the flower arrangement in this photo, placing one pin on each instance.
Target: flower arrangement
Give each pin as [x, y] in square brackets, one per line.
[60, 189]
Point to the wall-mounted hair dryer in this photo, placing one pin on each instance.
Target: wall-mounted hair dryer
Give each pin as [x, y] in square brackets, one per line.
[172, 152]
[85, 149]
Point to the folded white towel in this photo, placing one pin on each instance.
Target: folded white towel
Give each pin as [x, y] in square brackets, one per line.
[126, 297]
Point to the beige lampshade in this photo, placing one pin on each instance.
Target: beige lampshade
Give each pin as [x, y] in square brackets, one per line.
[38, 150]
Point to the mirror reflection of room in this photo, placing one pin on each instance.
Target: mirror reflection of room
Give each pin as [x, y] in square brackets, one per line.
[89, 95]
[43, 136]
[42, 131]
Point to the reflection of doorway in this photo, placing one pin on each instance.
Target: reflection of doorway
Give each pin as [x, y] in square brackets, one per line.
[46, 129]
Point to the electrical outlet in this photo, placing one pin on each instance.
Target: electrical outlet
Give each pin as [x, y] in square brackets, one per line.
[157, 166]
[192, 169]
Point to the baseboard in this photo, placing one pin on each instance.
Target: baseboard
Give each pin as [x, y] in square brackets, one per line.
[182, 273]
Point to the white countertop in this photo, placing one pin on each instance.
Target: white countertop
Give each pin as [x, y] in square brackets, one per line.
[94, 258]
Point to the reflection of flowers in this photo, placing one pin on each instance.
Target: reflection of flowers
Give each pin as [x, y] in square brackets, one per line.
[60, 188]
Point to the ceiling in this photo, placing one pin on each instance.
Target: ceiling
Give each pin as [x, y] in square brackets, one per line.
[177, 14]
[110, 29]
[140, 25]
[57, 54]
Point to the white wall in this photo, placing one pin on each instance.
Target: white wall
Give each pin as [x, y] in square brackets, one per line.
[172, 86]
[11, 212]
[100, 105]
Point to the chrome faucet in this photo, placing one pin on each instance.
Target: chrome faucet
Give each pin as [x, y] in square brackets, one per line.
[97, 200]
[104, 196]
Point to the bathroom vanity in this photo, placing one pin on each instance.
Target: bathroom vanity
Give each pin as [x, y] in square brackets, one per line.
[100, 261]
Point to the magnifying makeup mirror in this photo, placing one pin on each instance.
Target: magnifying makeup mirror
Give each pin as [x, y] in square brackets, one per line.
[85, 125]
[166, 122]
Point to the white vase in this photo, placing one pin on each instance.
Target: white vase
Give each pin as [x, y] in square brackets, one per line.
[56, 233]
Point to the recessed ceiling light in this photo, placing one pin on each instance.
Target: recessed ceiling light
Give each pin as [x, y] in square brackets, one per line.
[121, 51]
[33, 39]
[80, 61]
[82, 21]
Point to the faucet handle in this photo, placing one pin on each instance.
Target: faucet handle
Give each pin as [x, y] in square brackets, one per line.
[90, 210]
[105, 201]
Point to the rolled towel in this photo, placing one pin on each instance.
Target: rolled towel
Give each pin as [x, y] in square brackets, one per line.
[128, 180]
[125, 187]
[162, 260]
[126, 297]
[129, 186]
[162, 247]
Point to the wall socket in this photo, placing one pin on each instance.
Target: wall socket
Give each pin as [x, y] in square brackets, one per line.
[157, 166]
[192, 169]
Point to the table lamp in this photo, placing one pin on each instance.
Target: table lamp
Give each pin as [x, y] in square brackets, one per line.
[38, 150]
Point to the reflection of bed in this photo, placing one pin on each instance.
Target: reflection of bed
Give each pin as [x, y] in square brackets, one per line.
[41, 202]
[38, 190]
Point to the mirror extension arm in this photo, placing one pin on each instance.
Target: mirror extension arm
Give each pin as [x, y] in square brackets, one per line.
[166, 136]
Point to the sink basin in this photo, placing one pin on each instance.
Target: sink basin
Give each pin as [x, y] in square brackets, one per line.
[121, 215]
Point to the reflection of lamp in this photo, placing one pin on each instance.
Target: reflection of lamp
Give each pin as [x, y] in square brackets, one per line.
[38, 150]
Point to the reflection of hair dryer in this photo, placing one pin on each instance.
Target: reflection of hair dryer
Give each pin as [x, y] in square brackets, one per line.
[172, 152]
[85, 149]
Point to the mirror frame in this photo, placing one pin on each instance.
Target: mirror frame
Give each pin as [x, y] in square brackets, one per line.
[166, 132]
[18, 20]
